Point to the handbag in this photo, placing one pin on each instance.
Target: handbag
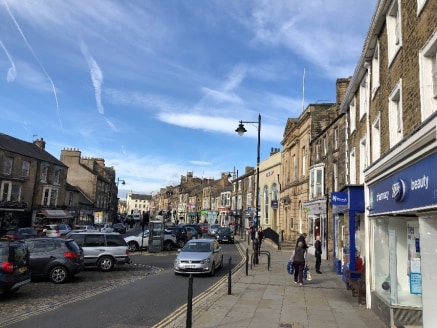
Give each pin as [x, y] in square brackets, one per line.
[290, 267]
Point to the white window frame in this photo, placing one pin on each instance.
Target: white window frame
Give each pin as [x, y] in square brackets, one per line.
[316, 181]
[304, 161]
[363, 158]
[394, 30]
[57, 177]
[395, 115]
[352, 167]
[364, 102]
[353, 114]
[50, 196]
[420, 5]
[325, 146]
[335, 171]
[335, 138]
[428, 81]
[376, 138]
[375, 69]
[317, 150]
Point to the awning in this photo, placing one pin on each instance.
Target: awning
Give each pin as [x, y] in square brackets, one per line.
[55, 214]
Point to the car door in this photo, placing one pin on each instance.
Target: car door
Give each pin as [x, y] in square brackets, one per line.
[39, 250]
[93, 246]
[217, 252]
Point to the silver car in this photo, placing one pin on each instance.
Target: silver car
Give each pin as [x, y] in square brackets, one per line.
[212, 229]
[199, 256]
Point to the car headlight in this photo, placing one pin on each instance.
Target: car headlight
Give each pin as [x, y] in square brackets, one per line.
[206, 261]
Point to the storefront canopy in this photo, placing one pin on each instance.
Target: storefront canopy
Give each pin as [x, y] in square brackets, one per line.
[55, 214]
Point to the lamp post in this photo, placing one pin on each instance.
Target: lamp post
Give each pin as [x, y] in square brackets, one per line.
[241, 130]
[120, 180]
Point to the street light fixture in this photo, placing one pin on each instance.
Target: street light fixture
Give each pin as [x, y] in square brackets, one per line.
[241, 130]
[120, 181]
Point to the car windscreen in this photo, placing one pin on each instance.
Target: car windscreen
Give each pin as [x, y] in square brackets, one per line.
[197, 247]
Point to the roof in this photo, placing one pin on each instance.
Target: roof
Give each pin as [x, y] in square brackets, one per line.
[28, 149]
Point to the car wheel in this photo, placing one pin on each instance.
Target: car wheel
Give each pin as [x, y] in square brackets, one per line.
[181, 243]
[133, 246]
[212, 272]
[168, 245]
[106, 263]
[58, 275]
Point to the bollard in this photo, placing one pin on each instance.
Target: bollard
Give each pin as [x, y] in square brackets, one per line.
[230, 277]
[247, 261]
[190, 302]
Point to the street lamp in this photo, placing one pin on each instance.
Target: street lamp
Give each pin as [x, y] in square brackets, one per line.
[120, 180]
[241, 130]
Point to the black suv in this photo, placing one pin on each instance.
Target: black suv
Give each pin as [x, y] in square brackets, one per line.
[14, 265]
[180, 233]
[57, 259]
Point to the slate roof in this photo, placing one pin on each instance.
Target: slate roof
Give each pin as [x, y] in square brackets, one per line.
[28, 149]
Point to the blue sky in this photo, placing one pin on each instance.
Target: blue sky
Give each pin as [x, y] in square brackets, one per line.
[157, 88]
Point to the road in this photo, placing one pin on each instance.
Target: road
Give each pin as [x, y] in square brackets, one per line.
[140, 295]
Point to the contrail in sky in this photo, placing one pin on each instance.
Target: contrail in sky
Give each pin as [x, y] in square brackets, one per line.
[36, 58]
[12, 73]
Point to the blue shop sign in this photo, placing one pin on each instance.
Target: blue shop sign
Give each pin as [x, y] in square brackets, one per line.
[339, 198]
[414, 187]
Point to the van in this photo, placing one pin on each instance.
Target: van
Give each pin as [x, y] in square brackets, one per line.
[101, 249]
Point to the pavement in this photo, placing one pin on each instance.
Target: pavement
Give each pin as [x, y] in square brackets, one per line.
[267, 297]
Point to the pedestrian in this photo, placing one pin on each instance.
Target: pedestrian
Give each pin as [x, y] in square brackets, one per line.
[318, 254]
[260, 235]
[299, 258]
[302, 238]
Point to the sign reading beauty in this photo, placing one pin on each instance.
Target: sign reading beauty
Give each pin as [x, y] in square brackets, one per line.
[412, 188]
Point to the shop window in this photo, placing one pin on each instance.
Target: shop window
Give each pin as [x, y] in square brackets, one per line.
[396, 259]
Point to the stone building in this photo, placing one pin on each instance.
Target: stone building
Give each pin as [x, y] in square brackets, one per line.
[32, 185]
[295, 163]
[391, 108]
[96, 181]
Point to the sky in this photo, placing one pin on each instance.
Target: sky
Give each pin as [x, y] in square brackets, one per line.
[157, 88]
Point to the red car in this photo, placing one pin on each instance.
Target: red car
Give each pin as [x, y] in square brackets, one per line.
[204, 227]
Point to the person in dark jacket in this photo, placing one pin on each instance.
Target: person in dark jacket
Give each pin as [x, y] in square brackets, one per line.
[318, 253]
[299, 258]
[302, 238]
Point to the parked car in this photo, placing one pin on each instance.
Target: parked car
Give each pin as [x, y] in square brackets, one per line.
[137, 241]
[14, 265]
[106, 228]
[198, 233]
[55, 259]
[213, 229]
[84, 227]
[181, 234]
[199, 256]
[21, 233]
[224, 234]
[101, 249]
[56, 230]
[204, 227]
[119, 227]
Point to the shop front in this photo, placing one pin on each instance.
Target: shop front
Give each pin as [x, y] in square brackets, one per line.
[402, 211]
[210, 217]
[52, 216]
[317, 224]
[349, 241]
[13, 215]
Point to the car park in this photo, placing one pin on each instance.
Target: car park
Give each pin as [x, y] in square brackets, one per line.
[102, 250]
[137, 241]
[119, 227]
[21, 233]
[199, 256]
[213, 229]
[181, 234]
[224, 234]
[14, 265]
[56, 230]
[55, 259]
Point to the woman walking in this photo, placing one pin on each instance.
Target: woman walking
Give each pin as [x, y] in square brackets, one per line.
[299, 257]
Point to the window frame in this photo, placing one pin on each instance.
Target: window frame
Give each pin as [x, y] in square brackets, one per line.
[428, 82]
[394, 30]
[395, 110]
[376, 138]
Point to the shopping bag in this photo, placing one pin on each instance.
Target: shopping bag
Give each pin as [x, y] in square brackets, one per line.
[290, 267]
[307, 273]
